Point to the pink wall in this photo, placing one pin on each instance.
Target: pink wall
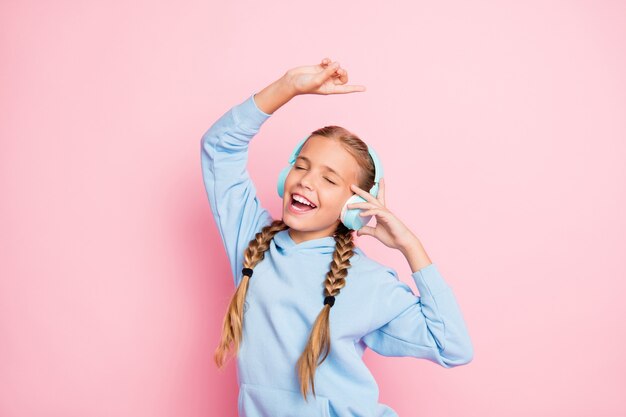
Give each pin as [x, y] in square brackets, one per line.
[502, 131]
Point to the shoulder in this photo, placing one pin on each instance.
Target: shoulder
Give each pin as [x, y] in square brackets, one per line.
[370, 269]
[376, 279]
[381, 294]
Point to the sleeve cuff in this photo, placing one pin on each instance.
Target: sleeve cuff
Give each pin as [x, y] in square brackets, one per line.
[248, 114]
[429, 281]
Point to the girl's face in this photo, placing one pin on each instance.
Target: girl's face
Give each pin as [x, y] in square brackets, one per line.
[322, 174]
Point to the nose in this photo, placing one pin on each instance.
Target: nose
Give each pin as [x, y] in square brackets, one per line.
[305, 182]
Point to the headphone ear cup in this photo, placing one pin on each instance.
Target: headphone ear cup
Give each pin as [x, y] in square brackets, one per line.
[350, 217]
[282, 177]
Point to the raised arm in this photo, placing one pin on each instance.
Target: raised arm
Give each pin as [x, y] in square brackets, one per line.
[224, 153]
[237, 211]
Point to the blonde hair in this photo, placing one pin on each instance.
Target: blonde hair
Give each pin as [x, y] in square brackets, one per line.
[318, 343]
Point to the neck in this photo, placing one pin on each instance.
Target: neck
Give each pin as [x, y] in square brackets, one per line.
[299, 236]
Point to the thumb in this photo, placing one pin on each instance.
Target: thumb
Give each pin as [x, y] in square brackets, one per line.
[365, 230]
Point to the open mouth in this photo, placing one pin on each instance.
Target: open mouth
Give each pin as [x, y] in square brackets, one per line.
[299, 207]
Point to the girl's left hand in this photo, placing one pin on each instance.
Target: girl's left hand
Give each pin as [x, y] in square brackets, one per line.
[389, 229]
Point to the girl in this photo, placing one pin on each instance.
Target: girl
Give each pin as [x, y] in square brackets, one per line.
[295, 270]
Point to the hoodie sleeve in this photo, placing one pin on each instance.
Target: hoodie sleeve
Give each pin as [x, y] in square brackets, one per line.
[428, 326]
[236, 208]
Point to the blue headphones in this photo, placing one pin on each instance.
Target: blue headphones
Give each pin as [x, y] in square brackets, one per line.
[349, 217]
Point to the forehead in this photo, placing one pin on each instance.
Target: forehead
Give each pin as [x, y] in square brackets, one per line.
[331, 155]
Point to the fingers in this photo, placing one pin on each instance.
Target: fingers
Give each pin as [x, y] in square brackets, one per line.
[367, 196]
[333, 70]
[343, 89]
[327, 61]
[375, 211]
[326, 73]
[362, 205]
[341, 76]
[324, 62]
[330, 69]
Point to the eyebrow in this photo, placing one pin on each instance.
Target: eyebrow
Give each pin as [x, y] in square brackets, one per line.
[323, 166]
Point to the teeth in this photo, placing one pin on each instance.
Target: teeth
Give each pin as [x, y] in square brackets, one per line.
[302, 200]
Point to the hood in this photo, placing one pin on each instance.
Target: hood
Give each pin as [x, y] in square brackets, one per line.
[320, 245]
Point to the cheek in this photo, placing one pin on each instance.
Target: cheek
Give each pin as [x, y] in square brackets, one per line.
[288, 182]
[332, 200]
[291, 179]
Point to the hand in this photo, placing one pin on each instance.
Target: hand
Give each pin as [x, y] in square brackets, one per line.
[389, 229]
[326, 78]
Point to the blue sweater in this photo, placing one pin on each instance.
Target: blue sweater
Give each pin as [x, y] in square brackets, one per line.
[286, 293]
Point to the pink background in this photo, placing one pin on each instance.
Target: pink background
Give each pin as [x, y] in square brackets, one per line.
[502, 129]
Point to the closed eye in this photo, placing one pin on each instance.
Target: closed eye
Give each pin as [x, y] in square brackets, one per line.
[299, 168]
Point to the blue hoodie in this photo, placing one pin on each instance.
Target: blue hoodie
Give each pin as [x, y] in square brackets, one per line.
[286, 293]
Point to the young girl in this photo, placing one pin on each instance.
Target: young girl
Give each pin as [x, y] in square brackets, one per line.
[308, 301]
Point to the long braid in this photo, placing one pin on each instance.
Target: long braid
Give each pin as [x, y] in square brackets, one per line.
[319, 338]
[232, 325]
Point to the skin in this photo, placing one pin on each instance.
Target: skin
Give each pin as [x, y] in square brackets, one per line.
[327, 190]
[311, 180]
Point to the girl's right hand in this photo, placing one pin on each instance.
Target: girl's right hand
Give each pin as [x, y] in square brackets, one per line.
[326, 78]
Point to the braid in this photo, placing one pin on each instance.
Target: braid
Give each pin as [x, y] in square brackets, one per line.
[232, 326]
[318, 344]
[319, 339]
